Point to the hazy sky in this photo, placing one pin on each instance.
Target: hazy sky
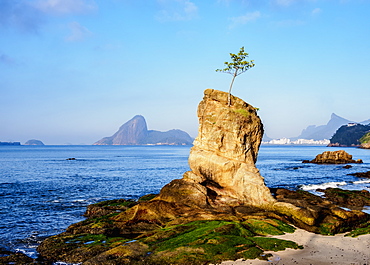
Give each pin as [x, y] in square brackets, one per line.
[73, 71]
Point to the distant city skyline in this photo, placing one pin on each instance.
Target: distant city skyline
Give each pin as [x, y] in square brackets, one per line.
[74, 71]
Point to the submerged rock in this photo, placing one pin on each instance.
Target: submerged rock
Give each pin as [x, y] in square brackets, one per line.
[8, 257]
[348, 198]
[361, 174]
[333, 157]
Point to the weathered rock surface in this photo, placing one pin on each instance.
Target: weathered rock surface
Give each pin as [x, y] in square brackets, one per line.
[328, 217]
[135, 132]
[8, 257]
[222, 160]
[333, 157]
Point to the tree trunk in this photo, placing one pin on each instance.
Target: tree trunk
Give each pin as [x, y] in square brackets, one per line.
[231, 85]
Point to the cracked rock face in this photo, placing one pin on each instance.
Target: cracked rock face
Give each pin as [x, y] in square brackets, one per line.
[222, 160]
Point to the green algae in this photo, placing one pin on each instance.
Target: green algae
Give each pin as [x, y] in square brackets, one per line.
[214, 241]
[147, 197]
[274, 244]
[242, 112]
[364, 230]
[269, 227]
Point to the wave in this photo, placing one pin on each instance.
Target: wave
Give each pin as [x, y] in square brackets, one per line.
[361, 181]
[322, 186]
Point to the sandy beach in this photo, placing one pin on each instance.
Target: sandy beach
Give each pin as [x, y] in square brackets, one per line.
[318, 250]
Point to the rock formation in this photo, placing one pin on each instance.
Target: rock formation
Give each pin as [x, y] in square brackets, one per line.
[135, 132]
[222, 160]
[333, 157]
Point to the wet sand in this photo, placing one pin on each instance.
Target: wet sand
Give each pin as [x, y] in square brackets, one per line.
[318, 250]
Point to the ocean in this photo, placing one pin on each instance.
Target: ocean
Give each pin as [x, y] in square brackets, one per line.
[44, 189]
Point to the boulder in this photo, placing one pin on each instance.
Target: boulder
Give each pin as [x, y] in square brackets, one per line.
[333, 157]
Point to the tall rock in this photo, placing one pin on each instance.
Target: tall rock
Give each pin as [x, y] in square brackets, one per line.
[222, 160]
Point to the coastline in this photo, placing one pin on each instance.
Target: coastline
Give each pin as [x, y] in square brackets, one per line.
[318, 250]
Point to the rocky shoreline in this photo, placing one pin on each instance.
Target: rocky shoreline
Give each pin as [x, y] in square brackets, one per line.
[220, 210]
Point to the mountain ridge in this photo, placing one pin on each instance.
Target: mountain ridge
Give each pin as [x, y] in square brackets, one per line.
[135, 132]
[325, 131]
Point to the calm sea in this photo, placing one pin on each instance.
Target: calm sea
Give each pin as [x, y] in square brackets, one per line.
[43, 191]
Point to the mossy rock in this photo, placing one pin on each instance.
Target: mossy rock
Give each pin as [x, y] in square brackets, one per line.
[364, 230]
[268, 227]
[348, 198]
[77, 248]
[108, 207]
[147, 197]
[201, 242]
[197, 242]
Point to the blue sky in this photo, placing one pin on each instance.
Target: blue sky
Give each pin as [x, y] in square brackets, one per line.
[73, 71]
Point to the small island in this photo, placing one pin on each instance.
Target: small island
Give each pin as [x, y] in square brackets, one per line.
[33, 142]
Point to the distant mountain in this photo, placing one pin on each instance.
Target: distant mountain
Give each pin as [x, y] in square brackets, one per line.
[349, 135]
[323, 131]
[33, 142]
[365, 122]
[265, 138]
[135, 132]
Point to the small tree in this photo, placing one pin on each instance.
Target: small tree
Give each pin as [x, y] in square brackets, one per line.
[238, 66]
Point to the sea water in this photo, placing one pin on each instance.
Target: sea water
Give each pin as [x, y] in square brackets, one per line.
[44, 189]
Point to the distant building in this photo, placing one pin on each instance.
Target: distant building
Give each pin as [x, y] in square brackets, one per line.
[10, 143]
[287, 141]
[351, 124]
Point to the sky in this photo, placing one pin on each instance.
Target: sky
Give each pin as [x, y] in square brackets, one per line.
[74, 71]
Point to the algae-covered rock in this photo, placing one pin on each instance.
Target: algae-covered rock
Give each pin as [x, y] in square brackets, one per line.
[348, 198]
[197, 242]
[327, 217]
[8, 257]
